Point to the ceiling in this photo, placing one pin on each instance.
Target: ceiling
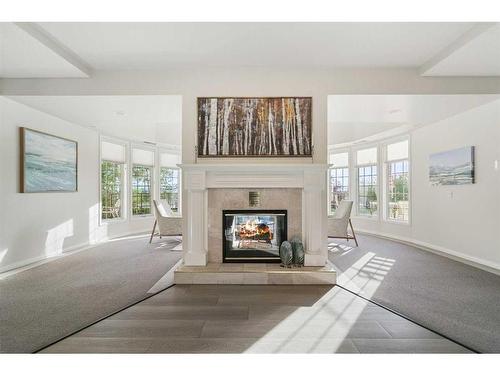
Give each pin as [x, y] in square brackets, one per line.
[444, 48]
[159, 45]
[151, 118]
[476, 53]
[357, 118]
[24, 56]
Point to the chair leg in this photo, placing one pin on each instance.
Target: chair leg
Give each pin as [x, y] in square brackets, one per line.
[153, 232]
[353, 234]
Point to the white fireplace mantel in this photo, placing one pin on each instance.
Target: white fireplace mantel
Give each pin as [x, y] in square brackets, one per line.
[311, 178]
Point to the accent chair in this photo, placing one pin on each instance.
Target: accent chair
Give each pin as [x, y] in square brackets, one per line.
[168, 223]
[339, 223]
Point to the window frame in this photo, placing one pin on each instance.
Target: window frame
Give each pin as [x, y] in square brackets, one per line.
[123, 185]
[154, 172]
[356, 168]
[179, 186]
[386, 217]
[172, 150]
[334, 151]
[376, 188]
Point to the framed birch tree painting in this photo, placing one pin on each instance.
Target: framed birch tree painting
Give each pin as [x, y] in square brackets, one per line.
[263, 127]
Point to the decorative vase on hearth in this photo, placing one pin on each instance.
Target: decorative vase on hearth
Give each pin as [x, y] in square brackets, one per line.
[286, 254]
[298, 253]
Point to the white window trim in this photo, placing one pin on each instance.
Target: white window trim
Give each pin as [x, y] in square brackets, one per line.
[179, 204]
[154, 189]
[124, 191]
[354, 151]
[382, 177]
[384, 144]
[162, 150]
[330, 167]
[377, 190]
[129, 145]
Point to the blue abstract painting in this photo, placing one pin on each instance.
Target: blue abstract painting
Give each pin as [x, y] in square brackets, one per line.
[49, 163]
[454, 167]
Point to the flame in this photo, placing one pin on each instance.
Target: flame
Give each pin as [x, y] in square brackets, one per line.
[255, 230]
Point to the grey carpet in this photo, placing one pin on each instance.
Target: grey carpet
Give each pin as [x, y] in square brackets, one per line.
[45, 303]
[454, 299]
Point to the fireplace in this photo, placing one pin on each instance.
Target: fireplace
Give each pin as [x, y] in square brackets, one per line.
[253, 235]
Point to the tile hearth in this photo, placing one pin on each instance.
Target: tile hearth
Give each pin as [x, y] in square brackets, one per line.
[254, 273]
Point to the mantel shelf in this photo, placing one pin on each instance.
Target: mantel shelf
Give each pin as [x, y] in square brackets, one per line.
[247, 167]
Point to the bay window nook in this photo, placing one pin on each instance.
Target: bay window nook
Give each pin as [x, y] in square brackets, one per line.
[380, 173]
[128, 184]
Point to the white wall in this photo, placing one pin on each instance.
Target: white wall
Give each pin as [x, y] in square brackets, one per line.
[461, 220]
[39, 225]
[35, 226]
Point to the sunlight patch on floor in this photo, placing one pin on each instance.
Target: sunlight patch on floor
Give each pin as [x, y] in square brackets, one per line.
[320, 328]
[332, 316]
[339, 248]
[366, 274]
[167, 245]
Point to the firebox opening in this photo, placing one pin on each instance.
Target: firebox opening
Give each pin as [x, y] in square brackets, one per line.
[253, 235]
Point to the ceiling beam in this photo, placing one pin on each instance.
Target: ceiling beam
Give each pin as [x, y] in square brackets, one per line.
[460, 42]
[42, 36]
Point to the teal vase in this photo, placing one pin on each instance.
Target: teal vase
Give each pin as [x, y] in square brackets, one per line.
[286, 254]
[298, 253]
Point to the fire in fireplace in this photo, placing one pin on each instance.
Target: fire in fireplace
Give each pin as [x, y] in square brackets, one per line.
[253, 235]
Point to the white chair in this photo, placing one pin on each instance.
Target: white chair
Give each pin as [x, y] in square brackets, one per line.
[168, 223]
[338, 224]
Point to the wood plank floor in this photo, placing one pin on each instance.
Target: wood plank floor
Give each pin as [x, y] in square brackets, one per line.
[255, 319]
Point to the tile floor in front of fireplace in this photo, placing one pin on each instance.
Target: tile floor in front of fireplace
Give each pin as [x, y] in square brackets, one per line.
[255, 319]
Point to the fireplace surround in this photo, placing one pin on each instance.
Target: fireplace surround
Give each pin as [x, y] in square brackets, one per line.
[202, 178]
[253, 236]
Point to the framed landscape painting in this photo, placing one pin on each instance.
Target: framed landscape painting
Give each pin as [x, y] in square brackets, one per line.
[454, 167]
[256, 127]
[48, 163]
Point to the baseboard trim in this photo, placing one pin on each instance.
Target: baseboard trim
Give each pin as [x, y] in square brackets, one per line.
[482, 264]
[30, 263]
[36, 261]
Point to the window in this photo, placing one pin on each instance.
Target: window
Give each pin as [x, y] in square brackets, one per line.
[111, 189]
[169, 187]
[339, 180]
[367, 182]
[141, 189]
[397, 181]
[170, 179]
[142, 181]
[112, 180]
